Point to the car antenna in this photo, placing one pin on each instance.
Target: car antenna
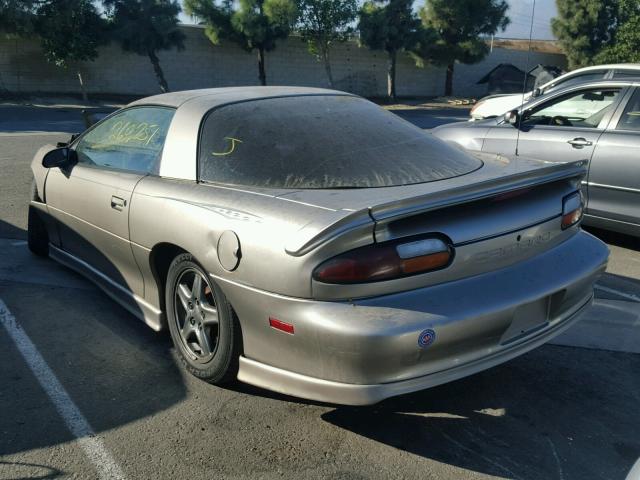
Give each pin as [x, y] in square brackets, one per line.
[526, 74]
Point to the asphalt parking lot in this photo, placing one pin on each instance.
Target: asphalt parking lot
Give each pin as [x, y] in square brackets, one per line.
[569, 410]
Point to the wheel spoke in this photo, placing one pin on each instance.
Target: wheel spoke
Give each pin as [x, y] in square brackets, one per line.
[203, 341]
[210, 314]
[196, 290]
[185, 295]
[187, 328]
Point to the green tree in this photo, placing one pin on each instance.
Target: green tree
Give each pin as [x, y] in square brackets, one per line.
[625, 45]
[584, 28]
[146, 27]
[461, 26]
[323, 23]
[390, 25]
[254, 25]
[17, 16]
[70, 32]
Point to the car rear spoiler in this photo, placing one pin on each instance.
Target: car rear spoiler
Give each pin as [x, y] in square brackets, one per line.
[496, 177]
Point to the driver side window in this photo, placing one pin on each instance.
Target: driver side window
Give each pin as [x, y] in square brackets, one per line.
[584, 109]
[131, 140]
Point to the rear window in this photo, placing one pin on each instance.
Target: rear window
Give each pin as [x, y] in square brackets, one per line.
[321, 141]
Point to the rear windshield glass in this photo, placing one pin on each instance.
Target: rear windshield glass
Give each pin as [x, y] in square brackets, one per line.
[322, 141]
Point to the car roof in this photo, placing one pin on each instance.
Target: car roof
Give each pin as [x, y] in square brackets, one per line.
[213, 97]
[612, 66]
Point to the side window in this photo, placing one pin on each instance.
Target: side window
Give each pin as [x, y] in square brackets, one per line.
[131, 140]
[584, 109]
[574, 80]
[630, 119]
[627, 74]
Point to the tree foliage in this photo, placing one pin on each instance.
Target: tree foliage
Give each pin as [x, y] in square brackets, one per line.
[325, 22]
[254, 24]
[146, 27]
[462, 26]
[17, 16]
[584, 28]
[625, 44]
[70, 31]
[392, 26]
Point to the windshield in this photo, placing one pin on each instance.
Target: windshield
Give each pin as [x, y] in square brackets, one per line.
[321, 141]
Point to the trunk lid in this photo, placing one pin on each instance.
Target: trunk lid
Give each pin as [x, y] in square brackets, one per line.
[413, 209]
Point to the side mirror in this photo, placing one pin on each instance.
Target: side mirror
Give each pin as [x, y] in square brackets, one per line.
[537, 92]
[512, 118]
[60, 157]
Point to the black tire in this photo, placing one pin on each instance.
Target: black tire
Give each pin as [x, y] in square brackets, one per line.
[221, 365]
[37, 236]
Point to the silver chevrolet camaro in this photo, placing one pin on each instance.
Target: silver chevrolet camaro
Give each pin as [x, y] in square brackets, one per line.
[309, 242]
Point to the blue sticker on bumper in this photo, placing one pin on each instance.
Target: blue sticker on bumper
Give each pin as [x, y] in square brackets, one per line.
[426, 338]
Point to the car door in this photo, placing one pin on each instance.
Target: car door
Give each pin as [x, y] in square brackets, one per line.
[91, 199]
[614, 175]
[560, 129]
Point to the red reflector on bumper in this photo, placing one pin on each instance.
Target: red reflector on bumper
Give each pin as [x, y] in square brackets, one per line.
[280, 325]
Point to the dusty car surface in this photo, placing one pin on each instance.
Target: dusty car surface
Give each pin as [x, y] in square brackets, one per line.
[308, 242]
[595, 121]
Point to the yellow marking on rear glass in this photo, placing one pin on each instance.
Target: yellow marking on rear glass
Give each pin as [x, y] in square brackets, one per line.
[234, 142]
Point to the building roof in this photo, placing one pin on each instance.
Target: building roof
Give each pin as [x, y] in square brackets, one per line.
[501, 69]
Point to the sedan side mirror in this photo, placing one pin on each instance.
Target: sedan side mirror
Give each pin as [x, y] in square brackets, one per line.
[512, 117]
[60, 157]
[537, 92]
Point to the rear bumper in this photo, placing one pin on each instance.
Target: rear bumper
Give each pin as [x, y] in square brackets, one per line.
[290, 383]
[363, 351]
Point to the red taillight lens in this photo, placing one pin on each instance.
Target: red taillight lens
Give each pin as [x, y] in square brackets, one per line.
[385, 261]
[572, 209]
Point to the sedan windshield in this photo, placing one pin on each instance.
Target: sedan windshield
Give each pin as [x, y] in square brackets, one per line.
[321, 141]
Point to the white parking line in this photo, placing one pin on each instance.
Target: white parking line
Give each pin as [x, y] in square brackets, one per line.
[73, 418]
[628, 296]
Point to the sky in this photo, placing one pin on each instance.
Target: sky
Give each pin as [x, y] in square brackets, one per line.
[520, 13]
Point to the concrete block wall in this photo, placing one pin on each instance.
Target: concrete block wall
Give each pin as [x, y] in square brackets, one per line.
[23, 69]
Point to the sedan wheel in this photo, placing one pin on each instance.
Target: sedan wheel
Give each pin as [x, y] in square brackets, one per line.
[202, 324]
[196, 314]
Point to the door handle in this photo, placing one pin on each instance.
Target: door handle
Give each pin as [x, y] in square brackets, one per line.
[580, 142]
[118, 203]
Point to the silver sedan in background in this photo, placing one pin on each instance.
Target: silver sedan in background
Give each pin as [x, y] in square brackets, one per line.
[309, 242]
[596, 121]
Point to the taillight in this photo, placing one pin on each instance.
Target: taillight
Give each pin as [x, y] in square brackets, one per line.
[572, 209]
[386, 261]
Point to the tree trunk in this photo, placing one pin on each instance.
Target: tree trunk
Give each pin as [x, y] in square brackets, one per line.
[327, 65]
[158, 71]
[85, 98]
[448, 84]
[391, 76]
[262, 74]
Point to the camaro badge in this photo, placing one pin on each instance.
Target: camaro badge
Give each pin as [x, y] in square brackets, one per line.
[426, 338]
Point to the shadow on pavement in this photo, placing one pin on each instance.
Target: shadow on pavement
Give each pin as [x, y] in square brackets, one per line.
[31, 471]
[615, 238]
[556, 412]
[28, 119]
[8, 230]
[114, 366]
